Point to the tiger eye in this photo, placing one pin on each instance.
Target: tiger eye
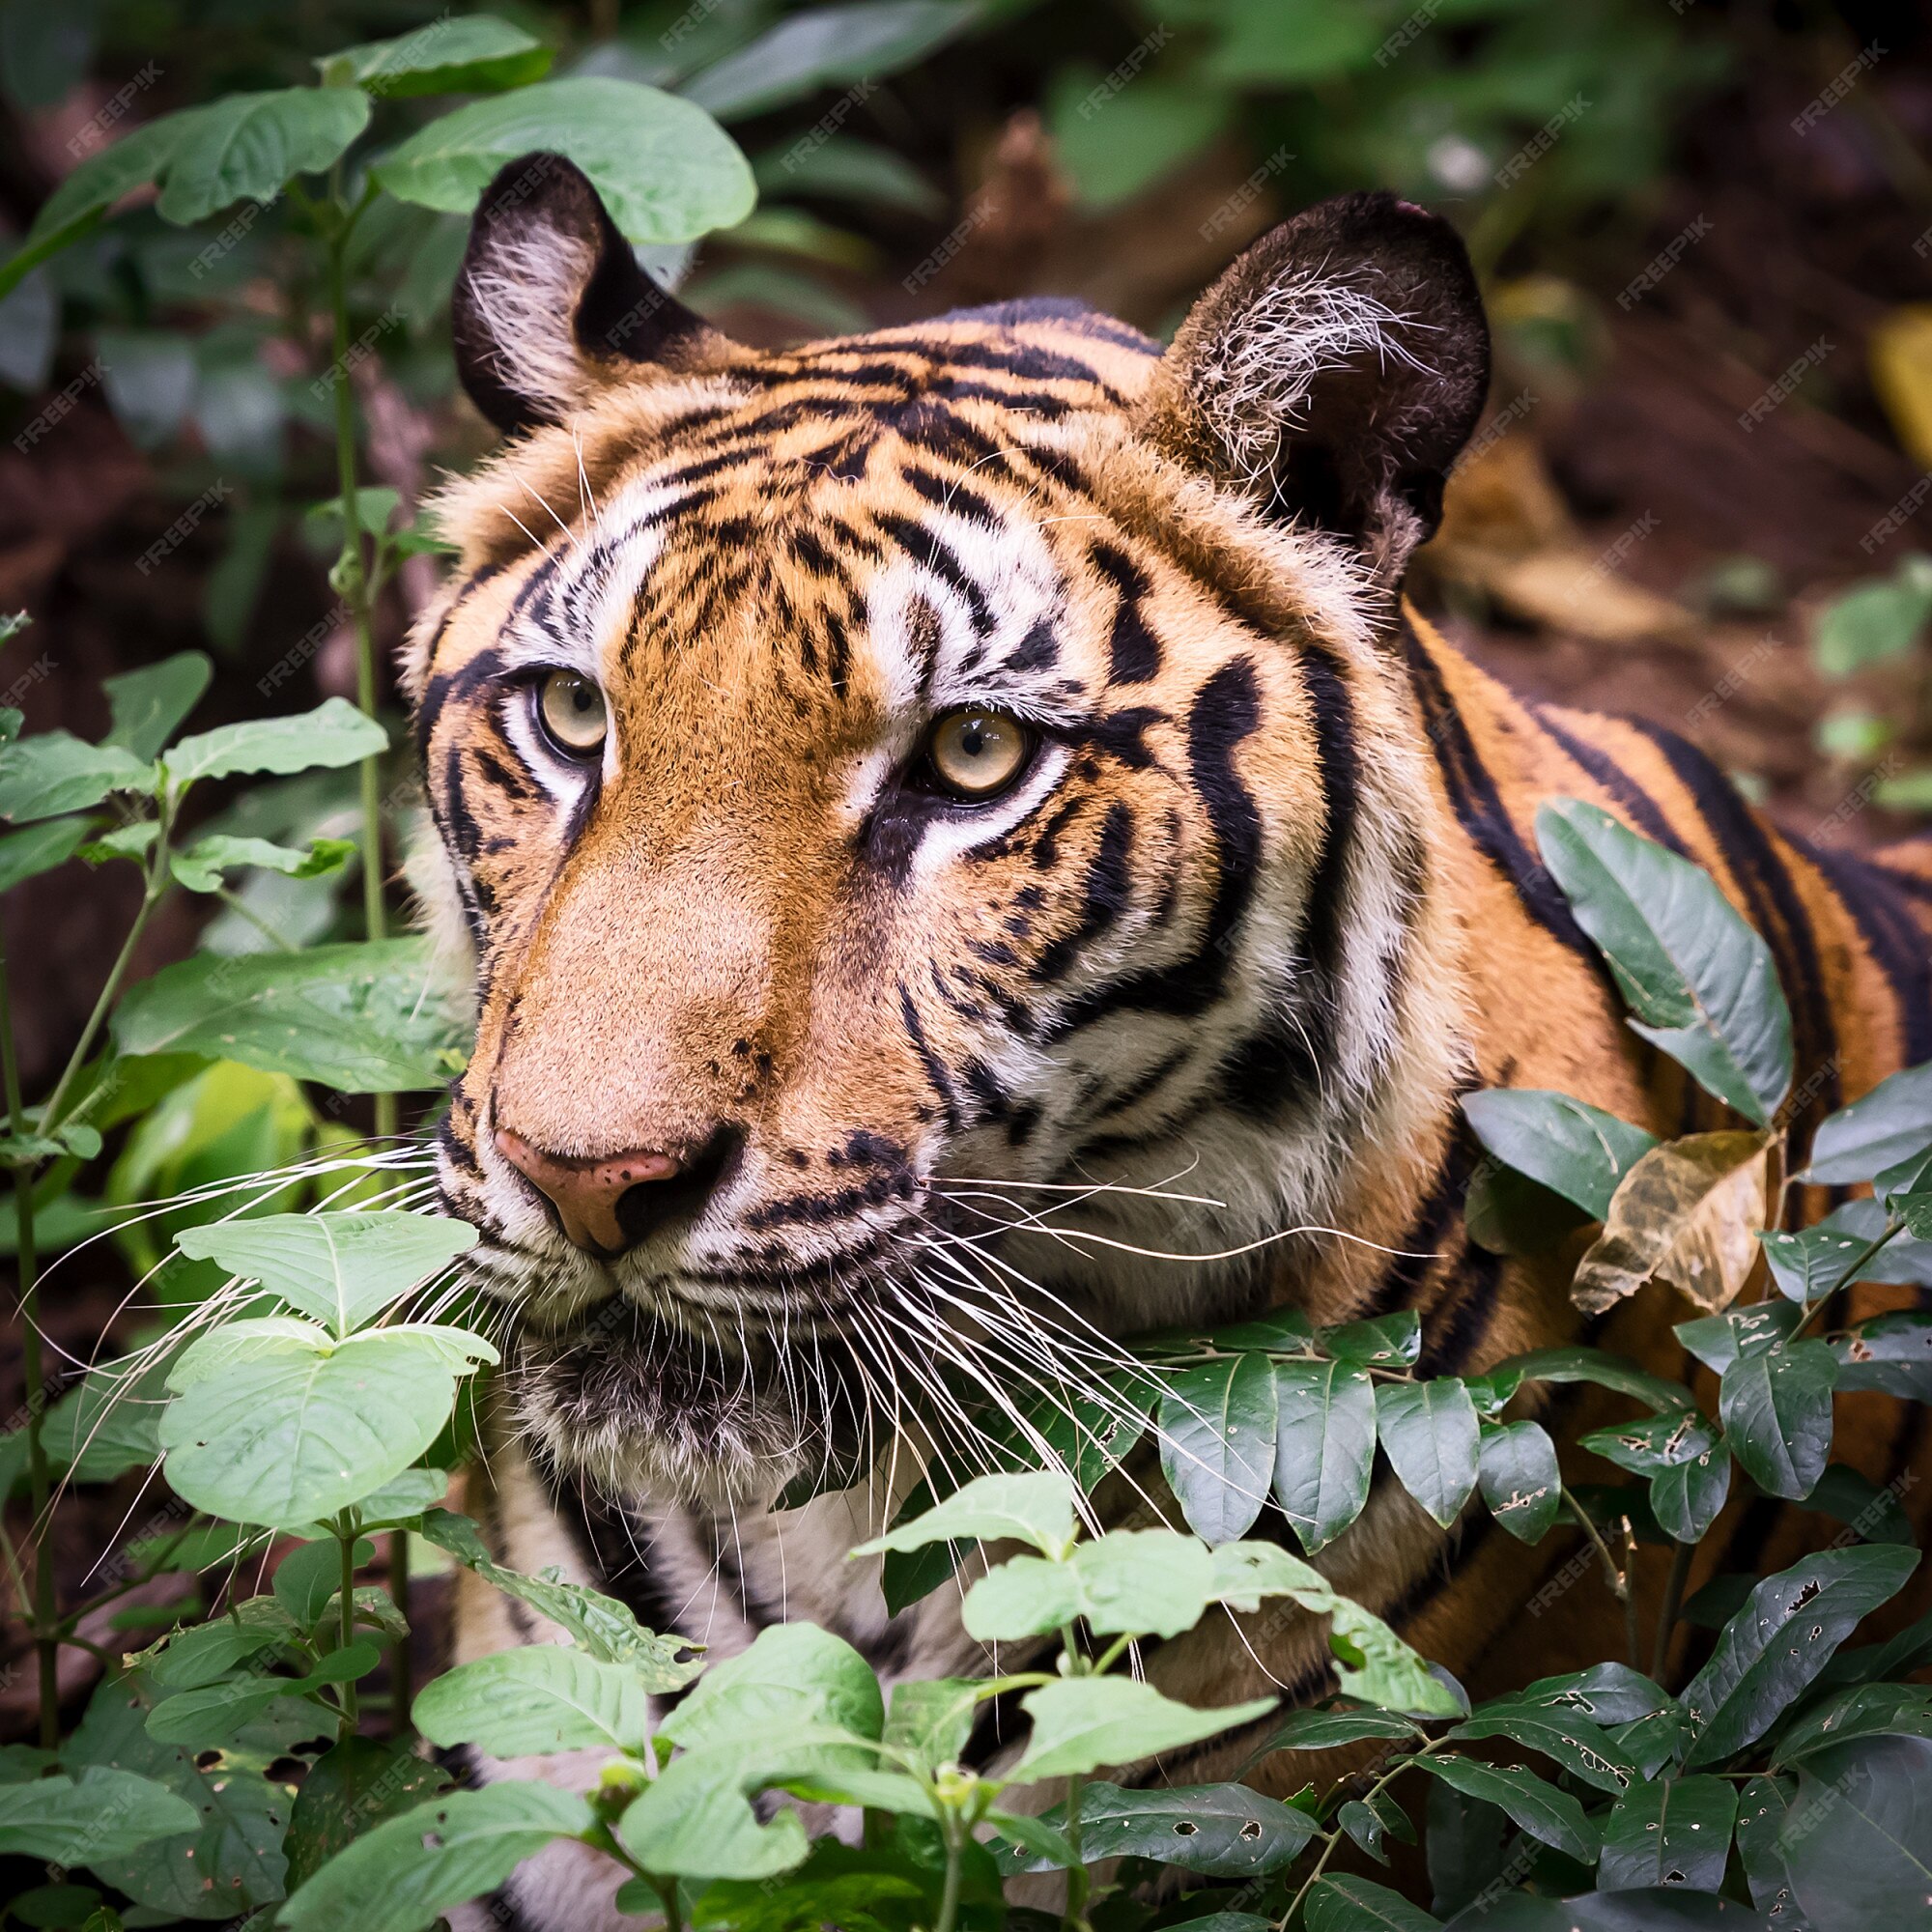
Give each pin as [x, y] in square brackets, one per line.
[976, 754]
[573, 712]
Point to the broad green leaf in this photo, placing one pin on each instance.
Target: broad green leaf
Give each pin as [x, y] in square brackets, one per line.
[1429, 1434]
[1381, 1341]
[1903, 1261]
[1688, 1213]
[1860, 1711]
[793, 1676]
[91, 191]
[1348, 1903]
[1699, 980]
[231, 1859]
[666, 170]
[1549, 1815]
[352, 1789]
[1374, 1664]
[341, 1268]
[1719, 1340]
[696, 1821]
[200, 868]
[1857, 1842]
[248, 146]
[1509, 1213]
[1763, 1806]
[868, 1790]
[1874, 621]
[1522, 1484]
[1578, 1743]
[332, 735]
[598, 1624]
[105, 1815]
[1329, 1730]
[1221, 1831]
[403, 1498]
[295, 1435]
[1155, 1583]
[465, 53]
[844, 169]
[1035, 1509]
[1878, 1130]
[1777, 1410]
[365, 1017]
[1873, 1513]
[1687, 1497]
[1217, 1427]
[1079, 1725]
[1282, 1330]
[932, 1717]
[1245, 1573]
[1892, 1352]
[833, 46]
[399, 1877]
[38, 848]
[1578, 1364]
[216, 1715]
[308, 1578]
[1811, 1264]
[1026, 1597]
[148, 705]
[1653, 1442]
[1606, 1694]
[1672, 1831]
[1324, 1447]
[1465, 1840]
[54, 771]
[1577, 1150]
[536, 1697]
[1782, 1639]
[208, 1652]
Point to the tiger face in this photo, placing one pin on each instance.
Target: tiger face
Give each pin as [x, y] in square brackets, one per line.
[935, 827]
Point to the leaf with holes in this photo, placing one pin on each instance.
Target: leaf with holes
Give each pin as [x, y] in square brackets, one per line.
[1701, 983]
[1217, 1430]
[1522, 1484]
[1782, 1639]
[1670, 1830]
[1221, 1831]
[1549, 1815]
[1777, 1410]
[1578, 1743]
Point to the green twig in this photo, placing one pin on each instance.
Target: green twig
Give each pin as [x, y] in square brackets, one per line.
[346, 1627]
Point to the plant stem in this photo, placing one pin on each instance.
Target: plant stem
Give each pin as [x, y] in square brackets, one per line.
[949, 1898]
[45, 1607]
[1632, 1630]
[1618, 1582]
[346, 1628]
[1666, 1617]
[353, 581]
[666, 1890]
[1074, 1917]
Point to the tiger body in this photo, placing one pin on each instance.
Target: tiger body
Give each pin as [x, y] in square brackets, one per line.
[1260, 906]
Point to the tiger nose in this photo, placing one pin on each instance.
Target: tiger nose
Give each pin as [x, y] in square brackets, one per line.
[587, 1193]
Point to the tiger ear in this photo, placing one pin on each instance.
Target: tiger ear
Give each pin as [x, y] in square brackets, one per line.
[551, 303]
[1333, 373]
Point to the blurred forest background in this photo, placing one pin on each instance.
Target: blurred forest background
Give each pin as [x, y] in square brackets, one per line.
[1704, 493]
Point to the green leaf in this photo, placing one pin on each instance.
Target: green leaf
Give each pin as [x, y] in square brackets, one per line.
[1549, 1815]
[38, 848]
[1217, 1426]
[148, 705]
[54, 771]
[793, 1676]
[1892, 1352]
[1859, 1711]
[307, 1580]
[458, 1847]
[598, 1624]
[248, 146]
[1576, 1742]
[1857, 1842]
[343, 1269]
[466, 54]
[840, 168]
[1777, 1409]
[1463, 1839]
[359, 1017]
[666, 170]
[405, 1499]
[296, 1433]
[200, 868]
[1429, 1434]
[932, 1717]
[1700, 982]
[332, 735]
[1850, 1496]
[1079, 1725]
[1719, 1340]
[825, 46]
[1522, 1484]
[231, 1861]
[694, 1821]
[536, 1697]
[1653, 1442]
[1035, 1508]
[1782, 1639]
[1576, 1150]
[1324, 1447]
[1674, 1830]
[1329, 1730]
[1578, 1364]
[1382, 1342]
[1811, 1264]
[86, 195]
[203, 1655]
[1345, 1903]
[1376, 1665]
[1687, 1497]
[105, 1815]
[1874, 621]
[350, 1790]
[1153, 1583]
[1508, 1214]
[1763, 1805]
[1881, 1128]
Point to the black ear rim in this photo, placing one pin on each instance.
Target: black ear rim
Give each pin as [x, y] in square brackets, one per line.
[621, 313]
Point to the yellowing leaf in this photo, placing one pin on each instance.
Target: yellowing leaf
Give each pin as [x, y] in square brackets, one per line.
[1687, 1213]
[1901, 370]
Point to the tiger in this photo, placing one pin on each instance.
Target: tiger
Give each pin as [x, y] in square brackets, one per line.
[964, 854]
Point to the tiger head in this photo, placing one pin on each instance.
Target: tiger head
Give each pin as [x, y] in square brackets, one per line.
[938, 822]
